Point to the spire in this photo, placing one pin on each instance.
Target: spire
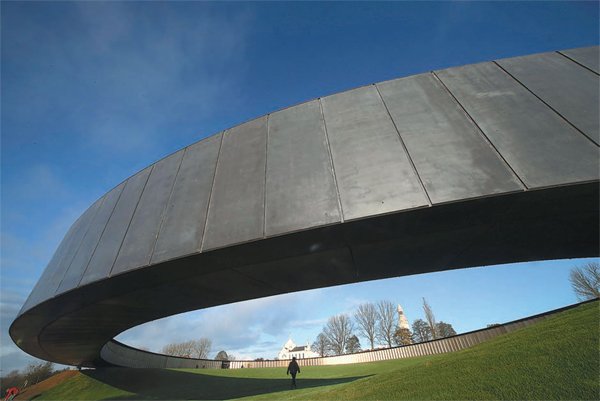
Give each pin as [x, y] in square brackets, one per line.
[402, 320]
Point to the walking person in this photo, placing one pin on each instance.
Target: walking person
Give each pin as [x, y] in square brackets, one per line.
[293, 368]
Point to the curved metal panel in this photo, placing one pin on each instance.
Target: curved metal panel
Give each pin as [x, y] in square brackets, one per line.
[432, 123]
[36, 295]
[86, 249]
[540, 146]
[359, 127]
[588, 57]
[51, 285]
[301, 192]
[183, 226]
[565, 86]
[110, 242]
[236, 209]
[139, 241]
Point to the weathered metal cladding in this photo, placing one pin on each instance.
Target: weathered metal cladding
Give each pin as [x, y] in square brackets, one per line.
[236, 209]
[90, 241]
[300, 189]
[373, 171]
[36, 295]
[81, 227]
[139, 241]
[588, 57]
[291, 178]
[110, 242]
[431, 123]
[571, 90]
[541, 147]
[183, 225]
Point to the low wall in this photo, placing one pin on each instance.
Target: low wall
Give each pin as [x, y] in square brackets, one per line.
[120, 354]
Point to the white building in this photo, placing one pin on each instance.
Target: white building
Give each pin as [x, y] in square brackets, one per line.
[290, 349]
[402, 320]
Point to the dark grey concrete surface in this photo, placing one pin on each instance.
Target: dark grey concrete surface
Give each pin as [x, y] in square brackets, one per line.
[476, 165]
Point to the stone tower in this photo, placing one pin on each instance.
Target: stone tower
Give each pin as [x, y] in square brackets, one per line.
[402, 320]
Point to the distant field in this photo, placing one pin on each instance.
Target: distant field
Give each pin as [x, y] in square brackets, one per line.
[555, 359]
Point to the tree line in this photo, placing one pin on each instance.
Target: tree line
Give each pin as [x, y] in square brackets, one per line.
[196, 349]
[33, 374]
[378, 323]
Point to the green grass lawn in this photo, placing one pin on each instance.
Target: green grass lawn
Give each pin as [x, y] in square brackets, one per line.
[555, 359]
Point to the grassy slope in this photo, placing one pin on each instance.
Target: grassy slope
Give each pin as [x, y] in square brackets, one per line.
[162, 384]
[555, 359]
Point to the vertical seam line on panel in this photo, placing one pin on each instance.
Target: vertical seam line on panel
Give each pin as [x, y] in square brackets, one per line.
[78, 247]
[59, 264]
[131, 221]
[164, 213]
[410, 160]
[478, 128]
[577, 62]
[265, 188]
[546, 104]
[102, 234]
[212, 187]
[330, 154]
[51, 274]
[354, 262]
[64, 254]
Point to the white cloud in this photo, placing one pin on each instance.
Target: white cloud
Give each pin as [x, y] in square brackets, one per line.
[40, 181]
[256, 328]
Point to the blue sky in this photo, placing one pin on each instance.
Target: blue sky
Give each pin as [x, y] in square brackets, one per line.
[93, 92]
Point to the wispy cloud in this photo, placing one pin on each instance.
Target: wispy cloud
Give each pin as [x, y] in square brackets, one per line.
[124, 75]
[41, 179]
[253, 328]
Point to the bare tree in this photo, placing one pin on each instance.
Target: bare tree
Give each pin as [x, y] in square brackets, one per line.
[367, 319]
[189, 349]
[430, 318]
[202, 347]
[321, 345]
[338, 330]
[183, 349]
[585, 280]
[388, 318]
